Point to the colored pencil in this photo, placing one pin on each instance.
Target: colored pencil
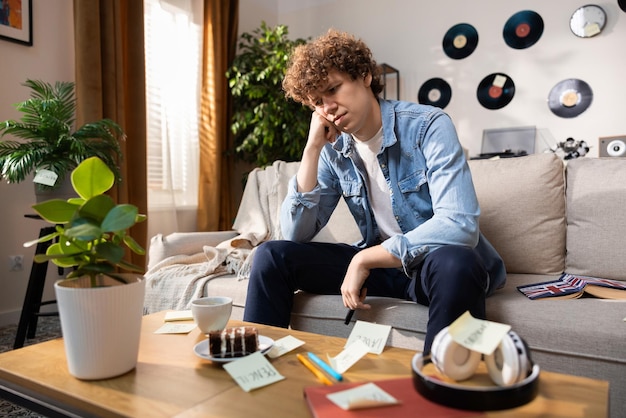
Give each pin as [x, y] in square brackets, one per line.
[325, 366]
[321, 376]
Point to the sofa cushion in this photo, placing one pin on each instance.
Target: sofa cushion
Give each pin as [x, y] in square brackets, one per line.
[522, 202]
[563, 326]
[595, 230]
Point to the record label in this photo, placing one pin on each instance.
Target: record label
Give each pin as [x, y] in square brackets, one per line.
[434, 95]
[523, 29]
[460, 41]
[569, 98]
[495, 91]
[435, 92]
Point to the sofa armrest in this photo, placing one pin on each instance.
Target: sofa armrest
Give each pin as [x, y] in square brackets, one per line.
[186, 243]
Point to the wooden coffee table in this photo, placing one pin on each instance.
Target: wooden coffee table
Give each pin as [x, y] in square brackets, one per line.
[170, 380]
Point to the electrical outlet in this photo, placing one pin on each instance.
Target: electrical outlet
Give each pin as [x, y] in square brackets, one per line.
[16, 262]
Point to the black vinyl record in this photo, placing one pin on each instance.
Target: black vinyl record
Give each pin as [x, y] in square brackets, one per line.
[622, 5]
[435, 92]
[569, 98]
[523, 29]
[460, 41]
[495, 91]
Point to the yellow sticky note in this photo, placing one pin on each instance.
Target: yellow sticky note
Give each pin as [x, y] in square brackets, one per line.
[47, 177]
[253, 371]
[478, 334]
[365, 396]
[284, 345]
[592, 29]
[178, 316]
[348, 357]
[373, 335]
[175, 328]
[499, 81]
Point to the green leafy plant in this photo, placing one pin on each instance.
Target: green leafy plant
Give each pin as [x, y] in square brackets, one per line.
[267, 126]
[91, 230]
[47, 138]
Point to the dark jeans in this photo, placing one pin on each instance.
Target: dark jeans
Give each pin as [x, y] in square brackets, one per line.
[451, 280]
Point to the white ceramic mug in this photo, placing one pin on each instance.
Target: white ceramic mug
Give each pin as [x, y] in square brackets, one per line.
[211, 313]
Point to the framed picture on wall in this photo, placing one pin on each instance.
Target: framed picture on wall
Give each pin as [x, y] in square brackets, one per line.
[16, 21]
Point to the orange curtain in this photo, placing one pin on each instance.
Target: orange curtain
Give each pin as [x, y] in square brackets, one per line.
[110, 83]
[215, 209]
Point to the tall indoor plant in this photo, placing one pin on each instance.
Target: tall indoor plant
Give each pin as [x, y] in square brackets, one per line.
[267, 126]
[100, 308]
[47, 139]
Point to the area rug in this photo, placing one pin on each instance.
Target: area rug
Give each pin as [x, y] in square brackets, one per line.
[48, 327]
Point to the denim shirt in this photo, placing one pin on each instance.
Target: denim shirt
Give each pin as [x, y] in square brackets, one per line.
[432, 193]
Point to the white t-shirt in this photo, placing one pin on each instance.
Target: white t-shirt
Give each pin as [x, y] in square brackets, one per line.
[379, 192]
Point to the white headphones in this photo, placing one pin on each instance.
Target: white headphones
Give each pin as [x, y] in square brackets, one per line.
[509, 364]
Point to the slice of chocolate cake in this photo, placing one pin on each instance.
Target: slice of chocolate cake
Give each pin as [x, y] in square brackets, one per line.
[233, 342]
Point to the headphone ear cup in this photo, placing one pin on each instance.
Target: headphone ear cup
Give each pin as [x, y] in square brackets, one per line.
[526, 361]
[510, 362]
[452, 359]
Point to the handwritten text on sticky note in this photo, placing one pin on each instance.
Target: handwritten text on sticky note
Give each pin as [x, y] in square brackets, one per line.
[348, 357]
[477, 334]
[284, 345]
[253, 371]
[47, 177]
[373, 335]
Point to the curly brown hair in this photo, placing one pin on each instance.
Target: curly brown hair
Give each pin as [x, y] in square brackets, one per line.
[310, 63]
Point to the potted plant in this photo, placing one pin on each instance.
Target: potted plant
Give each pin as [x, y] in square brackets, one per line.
[267, 126]
[49, 148]
[100, 308]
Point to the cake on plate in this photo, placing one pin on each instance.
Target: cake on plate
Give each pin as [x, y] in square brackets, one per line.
[233, 342]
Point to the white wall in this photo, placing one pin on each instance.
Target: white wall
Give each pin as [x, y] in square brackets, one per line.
[404, 33]
[408, 34]
[51, 58]
[252, 12]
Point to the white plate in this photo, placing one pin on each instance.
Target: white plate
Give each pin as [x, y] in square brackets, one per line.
[202, 349]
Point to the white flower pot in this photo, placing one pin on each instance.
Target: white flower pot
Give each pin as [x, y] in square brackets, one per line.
[101, 326]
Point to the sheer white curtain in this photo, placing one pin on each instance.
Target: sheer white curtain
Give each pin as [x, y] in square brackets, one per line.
[173, 37]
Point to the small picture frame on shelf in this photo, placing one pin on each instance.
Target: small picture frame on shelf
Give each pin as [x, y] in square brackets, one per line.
[16, 21]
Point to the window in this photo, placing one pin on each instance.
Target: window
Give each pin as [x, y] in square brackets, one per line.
[173, 38]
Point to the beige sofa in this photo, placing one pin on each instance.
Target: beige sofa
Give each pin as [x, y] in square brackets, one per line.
[544, 217]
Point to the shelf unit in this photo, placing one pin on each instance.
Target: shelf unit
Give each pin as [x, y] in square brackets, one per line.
[388, 70]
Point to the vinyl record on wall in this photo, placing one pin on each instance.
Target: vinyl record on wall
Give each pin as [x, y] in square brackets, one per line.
[569, 98]
[622, 5]
[495, 91]
[460, 41]
[523, 29]
[435, 92]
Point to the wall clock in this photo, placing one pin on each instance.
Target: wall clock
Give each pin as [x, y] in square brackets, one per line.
[588, 21]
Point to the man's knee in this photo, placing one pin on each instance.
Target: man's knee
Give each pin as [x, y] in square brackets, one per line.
[269, 252]
[457, 264]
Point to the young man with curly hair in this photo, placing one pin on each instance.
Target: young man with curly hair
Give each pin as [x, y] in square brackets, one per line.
[403, 174]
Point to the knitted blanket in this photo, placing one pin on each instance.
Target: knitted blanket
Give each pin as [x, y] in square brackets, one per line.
[176, 280]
